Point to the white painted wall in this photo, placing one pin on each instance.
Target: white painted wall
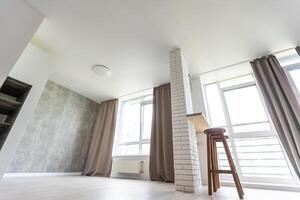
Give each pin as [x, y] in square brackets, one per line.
[18, 23]
[199, 106]
[197, 96]
[33, 67]
[202, 153]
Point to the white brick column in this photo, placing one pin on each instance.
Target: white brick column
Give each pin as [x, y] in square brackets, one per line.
[186, 160]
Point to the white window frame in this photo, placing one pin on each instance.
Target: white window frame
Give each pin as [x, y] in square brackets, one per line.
[118, 132]
[287, 69]
[255, 134]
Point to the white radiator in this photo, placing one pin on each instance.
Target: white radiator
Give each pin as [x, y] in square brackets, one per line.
[128, 166]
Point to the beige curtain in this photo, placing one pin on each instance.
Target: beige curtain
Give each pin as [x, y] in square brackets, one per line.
[161, 149]
[99, 159]
[282, 105]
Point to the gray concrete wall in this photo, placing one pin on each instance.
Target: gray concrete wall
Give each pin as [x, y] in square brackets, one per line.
[58, 134]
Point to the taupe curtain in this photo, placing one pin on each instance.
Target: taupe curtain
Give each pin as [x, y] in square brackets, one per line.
[298, 50]
[161, 148]
[99, 159]
[282, 105]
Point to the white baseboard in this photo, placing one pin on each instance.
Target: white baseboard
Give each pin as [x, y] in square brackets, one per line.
[42, 174]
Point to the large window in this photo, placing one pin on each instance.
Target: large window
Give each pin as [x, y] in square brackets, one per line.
[237, 106]
[134, 131]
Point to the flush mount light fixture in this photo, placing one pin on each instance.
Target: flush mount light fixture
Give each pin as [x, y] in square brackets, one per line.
[101, 70]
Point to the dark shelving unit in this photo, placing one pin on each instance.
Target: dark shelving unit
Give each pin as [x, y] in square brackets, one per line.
[12, 96]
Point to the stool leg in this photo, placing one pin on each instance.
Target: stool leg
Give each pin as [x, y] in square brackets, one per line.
[235, 173]
[209, 165]
[233, 170]
[216, 165]
[238, 181]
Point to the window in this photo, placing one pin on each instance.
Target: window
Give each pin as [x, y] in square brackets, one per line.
[134, 129]
[237, 106]
[293, 74]
[290, 63]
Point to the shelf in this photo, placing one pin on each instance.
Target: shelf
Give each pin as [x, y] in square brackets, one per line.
[4, 126]
[200, 122]
[2, 139]
[13, 93]
[14, 87]
[8, 105]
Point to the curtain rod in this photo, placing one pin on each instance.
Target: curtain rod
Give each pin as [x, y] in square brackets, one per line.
[151, 88]
[235, 64]
[209, 71]
[135, 92]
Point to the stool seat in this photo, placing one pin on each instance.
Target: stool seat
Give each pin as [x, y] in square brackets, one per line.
[215, 135]
[213, 131]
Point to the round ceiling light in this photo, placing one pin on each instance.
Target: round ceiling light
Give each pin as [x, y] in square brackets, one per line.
[101, 70]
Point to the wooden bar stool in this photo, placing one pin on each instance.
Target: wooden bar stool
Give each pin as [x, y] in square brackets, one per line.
[215, 135]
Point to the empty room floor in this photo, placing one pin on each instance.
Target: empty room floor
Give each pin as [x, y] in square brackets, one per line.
[94, 188]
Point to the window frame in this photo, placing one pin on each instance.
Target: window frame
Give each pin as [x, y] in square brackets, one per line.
[141, 141]
[287, 69]
[255, 134]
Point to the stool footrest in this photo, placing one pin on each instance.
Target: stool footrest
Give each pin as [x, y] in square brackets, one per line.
[221, 171]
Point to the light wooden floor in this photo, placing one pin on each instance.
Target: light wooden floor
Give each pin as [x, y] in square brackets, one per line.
[94, 188]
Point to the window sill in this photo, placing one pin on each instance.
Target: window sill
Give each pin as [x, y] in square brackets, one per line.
[132, 156]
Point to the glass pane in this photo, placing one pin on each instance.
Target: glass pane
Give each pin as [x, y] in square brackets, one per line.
[130, 128]
[262, 157]
[245, 106]
[146, 149]
[243, 79]
[147, 121]
[216, 113]
[132, 149]
[252, 128]
[295, 74]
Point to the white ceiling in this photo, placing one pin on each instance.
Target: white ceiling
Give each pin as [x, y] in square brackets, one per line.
[133, 38]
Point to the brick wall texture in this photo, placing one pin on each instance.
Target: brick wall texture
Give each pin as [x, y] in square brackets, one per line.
[186, 160]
